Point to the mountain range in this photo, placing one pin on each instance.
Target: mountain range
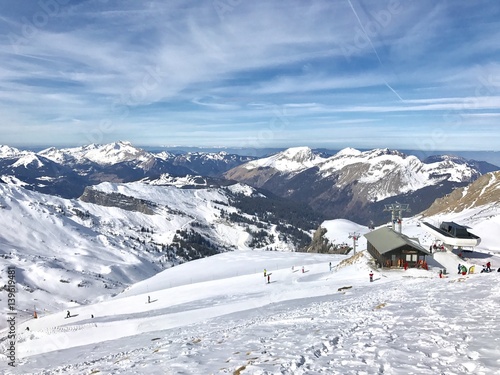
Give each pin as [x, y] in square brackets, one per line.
[66, 172]
[350, 184]
[357, 185]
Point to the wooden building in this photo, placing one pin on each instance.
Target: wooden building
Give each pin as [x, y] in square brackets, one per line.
[392, 249]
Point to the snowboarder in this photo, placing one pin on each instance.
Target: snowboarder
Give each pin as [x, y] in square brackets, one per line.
[68, 315]
[371, 276]
[488, 267]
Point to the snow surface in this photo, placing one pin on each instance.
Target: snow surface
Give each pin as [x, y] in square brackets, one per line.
[219, 315]
[188, 180]
[300, 323]
[64, 260]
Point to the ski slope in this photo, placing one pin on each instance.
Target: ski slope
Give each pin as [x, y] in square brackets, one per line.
[219, 315]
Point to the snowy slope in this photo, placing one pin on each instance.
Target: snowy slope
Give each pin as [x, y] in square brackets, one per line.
[71, 252]
[224, 318]
[339, 230]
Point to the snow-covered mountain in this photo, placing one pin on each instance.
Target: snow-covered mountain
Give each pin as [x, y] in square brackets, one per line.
[354, 184]
[66, 172]
[72, 252]
[483, 192]
[108, 154]
[211, 164]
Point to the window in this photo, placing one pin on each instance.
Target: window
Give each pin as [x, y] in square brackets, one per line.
[411, 257]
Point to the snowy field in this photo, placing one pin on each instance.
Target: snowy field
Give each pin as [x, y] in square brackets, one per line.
[219, 315]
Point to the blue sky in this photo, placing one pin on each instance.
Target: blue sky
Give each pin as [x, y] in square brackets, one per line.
[358, 73]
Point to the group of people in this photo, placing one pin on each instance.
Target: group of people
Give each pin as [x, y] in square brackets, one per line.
[462, 269]
[268, 275]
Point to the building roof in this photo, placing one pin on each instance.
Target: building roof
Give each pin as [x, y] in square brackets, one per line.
[386, 239]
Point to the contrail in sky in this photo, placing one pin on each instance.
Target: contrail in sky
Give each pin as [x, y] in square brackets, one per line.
[362, 28]
[394, 91]
[373, 48]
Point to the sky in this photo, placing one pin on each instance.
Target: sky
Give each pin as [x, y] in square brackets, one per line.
[421, 75]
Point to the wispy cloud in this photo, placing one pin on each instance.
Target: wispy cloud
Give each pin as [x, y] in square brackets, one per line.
[109, 69]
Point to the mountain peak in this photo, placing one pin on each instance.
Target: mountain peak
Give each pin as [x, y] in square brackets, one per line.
[30, 159]
[348, 151]
[116, 152]
[299, 154]
[293, 159]
[7, 151]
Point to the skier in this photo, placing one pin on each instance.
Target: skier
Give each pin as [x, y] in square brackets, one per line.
[268, 279]
[488, 267]
[303, 269]
[68, 315]
[265, 272]
[459, 268]
[371, 276]
[440, 274]
[149, 299]
[330, 266]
